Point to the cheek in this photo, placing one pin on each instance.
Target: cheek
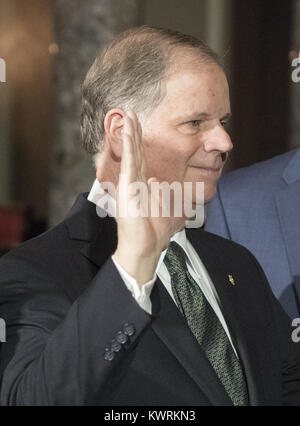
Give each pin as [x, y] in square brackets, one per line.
[166, 160]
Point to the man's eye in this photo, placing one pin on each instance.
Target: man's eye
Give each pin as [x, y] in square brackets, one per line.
[195, 123]
[224, 123]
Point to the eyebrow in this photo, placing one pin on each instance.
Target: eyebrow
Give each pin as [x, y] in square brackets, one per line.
[200, 116]
[227, 116]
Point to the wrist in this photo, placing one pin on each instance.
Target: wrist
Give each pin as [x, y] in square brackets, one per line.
[141, 268]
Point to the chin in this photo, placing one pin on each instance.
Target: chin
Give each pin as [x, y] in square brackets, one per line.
[209, 193]
[210, 189]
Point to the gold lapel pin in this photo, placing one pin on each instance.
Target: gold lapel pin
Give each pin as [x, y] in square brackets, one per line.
[231, 279]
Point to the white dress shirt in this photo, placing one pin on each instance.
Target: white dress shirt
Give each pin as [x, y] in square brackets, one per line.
[195, 267]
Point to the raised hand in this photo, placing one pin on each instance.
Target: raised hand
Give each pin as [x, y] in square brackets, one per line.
[141, 239]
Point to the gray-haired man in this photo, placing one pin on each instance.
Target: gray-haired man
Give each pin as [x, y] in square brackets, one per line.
[140, 310]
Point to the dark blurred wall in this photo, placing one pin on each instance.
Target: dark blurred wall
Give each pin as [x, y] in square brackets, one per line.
[82, 29]
[177, 14]
[294, 89]
[26, 101]
[209, 20]
[260, 79]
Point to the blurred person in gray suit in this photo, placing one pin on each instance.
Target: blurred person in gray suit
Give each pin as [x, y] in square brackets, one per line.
[259, 207]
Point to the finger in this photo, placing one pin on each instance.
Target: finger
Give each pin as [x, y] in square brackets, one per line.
[142, 152]
[134, 126]
[155, 198]
[128, 157]
[132, 120]
[126, 154]
[136, 141]
[133, 117]
[139, 140]
[137, 134]
[130, 128]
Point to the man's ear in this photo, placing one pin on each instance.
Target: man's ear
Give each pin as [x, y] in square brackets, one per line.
[113, 125]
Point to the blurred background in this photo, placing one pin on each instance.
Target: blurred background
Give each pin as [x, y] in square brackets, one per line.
[46, 48]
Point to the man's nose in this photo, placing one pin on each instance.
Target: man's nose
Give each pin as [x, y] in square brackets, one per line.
[217, 139]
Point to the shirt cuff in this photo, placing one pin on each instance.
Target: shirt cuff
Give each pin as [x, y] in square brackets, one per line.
[140, 294]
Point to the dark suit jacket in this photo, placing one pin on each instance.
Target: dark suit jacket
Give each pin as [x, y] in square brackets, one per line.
[259, 207]
[64, 301]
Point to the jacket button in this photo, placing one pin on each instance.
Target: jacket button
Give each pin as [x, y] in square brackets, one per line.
[129, 329]
[108, 355]
[115, 346]
[121, 337]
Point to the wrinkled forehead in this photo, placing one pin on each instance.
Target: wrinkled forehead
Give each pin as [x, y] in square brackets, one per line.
[201, 85]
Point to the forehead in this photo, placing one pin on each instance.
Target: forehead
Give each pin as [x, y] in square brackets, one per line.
[200, 88]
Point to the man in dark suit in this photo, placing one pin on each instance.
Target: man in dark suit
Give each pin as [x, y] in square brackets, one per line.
[140, 310]
[258, 207]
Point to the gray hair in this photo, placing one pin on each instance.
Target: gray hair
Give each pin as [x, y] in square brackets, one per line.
[129, 73]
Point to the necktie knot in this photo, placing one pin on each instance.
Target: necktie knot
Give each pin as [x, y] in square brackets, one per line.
[175, 260]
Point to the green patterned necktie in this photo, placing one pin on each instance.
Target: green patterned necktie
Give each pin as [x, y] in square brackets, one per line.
[205, 325]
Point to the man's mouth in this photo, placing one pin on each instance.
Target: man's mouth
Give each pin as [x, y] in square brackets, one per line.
[213, 169]
[215, 166]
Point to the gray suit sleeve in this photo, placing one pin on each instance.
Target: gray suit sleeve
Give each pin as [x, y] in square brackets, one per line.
[216, 221]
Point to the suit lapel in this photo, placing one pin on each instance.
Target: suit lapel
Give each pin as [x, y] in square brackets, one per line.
[103, 244]
[98, 234]
[172, 329]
